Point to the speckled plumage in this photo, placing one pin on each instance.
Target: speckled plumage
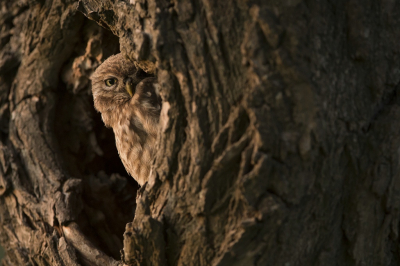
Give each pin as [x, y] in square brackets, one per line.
[133, 119]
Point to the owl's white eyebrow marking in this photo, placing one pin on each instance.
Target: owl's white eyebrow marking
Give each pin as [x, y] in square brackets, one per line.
[110, 77]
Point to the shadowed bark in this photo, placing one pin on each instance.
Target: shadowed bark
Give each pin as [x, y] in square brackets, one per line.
[279, 134]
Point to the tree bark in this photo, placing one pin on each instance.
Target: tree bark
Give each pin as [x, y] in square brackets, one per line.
[278, 134]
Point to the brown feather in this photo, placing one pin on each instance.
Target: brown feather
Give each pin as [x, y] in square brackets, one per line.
[134, 119]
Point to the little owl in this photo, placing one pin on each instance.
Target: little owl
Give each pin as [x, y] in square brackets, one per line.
[129, 102]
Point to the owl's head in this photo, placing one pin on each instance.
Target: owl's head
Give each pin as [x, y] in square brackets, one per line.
[114, 83]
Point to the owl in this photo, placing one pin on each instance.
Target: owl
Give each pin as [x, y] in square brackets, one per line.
[129, 103]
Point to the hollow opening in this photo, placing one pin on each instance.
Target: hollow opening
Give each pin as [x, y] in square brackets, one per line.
[88, 148]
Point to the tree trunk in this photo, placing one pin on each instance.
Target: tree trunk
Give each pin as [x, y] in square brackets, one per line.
[279, 138]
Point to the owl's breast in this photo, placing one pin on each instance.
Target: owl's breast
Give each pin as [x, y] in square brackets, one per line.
[135, 147]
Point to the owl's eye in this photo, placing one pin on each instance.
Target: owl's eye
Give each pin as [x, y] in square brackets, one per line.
[110, 82]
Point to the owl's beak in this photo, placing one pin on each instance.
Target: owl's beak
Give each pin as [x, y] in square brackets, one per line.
[129, 86]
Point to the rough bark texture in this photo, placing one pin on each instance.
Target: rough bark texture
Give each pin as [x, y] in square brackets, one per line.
[279, 134]
[59, 164]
